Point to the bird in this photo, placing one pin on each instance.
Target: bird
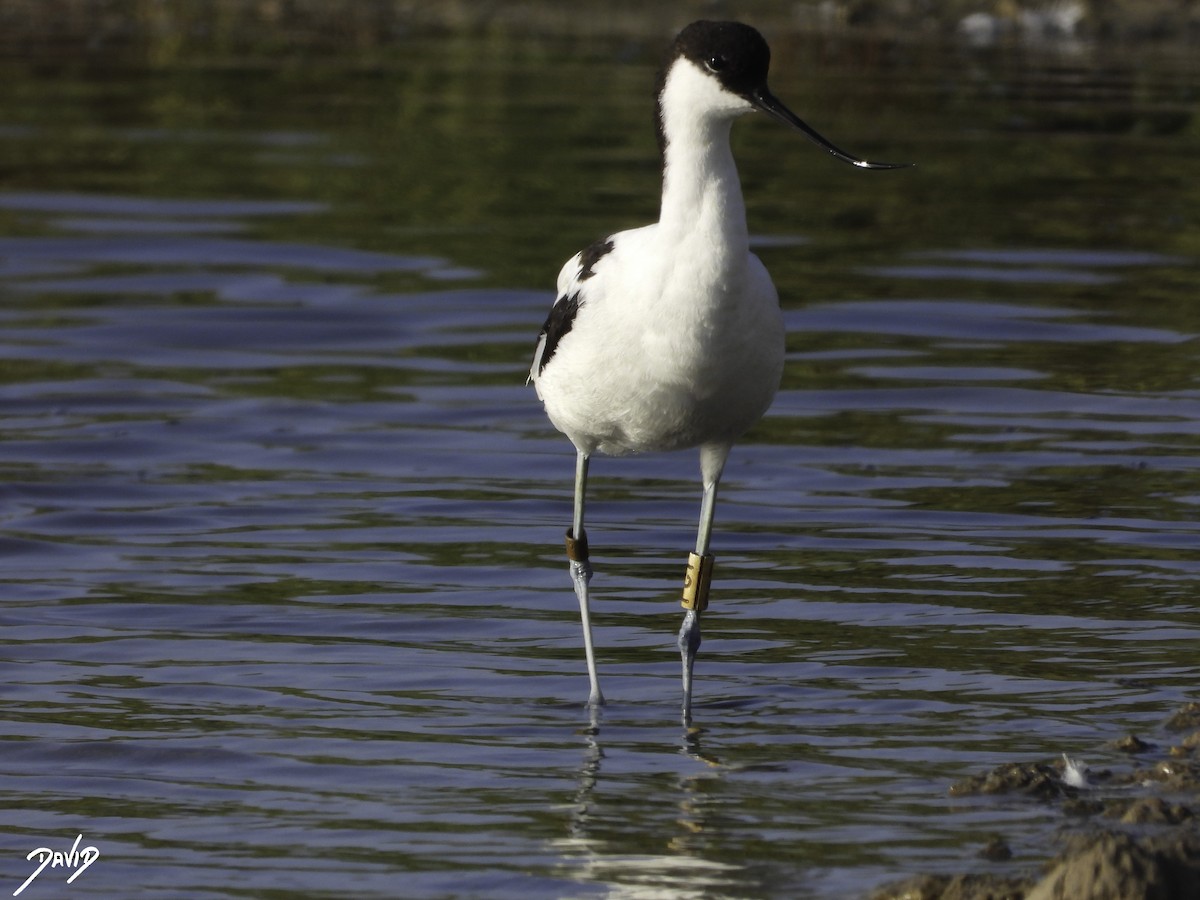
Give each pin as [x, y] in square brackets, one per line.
[670, 336]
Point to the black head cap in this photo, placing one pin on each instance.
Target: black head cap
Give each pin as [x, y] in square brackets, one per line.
[738, 57]
[734, 53]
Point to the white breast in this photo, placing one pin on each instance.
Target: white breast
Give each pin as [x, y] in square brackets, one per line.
[663, 355]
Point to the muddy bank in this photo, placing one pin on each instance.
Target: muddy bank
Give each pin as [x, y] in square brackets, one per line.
[1129, 833]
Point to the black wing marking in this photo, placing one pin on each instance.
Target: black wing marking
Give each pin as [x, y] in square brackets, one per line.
[591, 255]
[558, 324]
[562, 314]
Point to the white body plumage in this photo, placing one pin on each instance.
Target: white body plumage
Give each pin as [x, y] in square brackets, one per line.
[677, 338]
[670, 336]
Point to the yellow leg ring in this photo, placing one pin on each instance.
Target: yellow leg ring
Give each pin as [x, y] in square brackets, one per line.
[697, 581]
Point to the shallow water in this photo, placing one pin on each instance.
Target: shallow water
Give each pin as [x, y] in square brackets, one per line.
[285, 608]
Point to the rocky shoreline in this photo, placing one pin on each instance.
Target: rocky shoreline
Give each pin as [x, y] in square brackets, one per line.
[1128, 834]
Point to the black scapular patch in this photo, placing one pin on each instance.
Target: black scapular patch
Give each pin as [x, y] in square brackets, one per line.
[558, 324]
[591, 255]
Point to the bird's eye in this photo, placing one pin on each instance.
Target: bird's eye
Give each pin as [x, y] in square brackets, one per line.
[715, 63]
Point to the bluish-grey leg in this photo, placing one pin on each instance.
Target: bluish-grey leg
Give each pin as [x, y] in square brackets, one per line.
[581, 574]
[689, 643]
[695, 593]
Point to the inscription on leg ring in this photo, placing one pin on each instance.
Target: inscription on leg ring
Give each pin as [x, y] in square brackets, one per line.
[696, 581]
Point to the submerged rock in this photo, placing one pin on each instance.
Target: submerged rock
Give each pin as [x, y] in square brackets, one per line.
[996, 850]
[1034, 779]
[1132, 744]
[1187, 719]
[1175, 774]
[1189, 744]
[955, 887]
[1150, 851]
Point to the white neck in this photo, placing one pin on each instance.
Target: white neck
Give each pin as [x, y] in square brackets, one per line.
[702, 197]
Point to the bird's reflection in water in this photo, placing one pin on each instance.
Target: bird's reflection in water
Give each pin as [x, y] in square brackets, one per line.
[589, 774]
[692, 745]
[609, 855]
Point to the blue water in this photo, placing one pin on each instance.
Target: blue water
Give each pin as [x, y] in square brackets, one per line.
[285, 610]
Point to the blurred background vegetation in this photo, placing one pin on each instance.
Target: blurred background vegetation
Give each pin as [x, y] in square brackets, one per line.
[171, 30]
[505, 134]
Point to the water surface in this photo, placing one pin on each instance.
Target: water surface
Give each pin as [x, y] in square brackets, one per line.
[285, 608]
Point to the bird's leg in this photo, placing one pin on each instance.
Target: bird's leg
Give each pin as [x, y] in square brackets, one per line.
[695, 592]
[581, 573]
